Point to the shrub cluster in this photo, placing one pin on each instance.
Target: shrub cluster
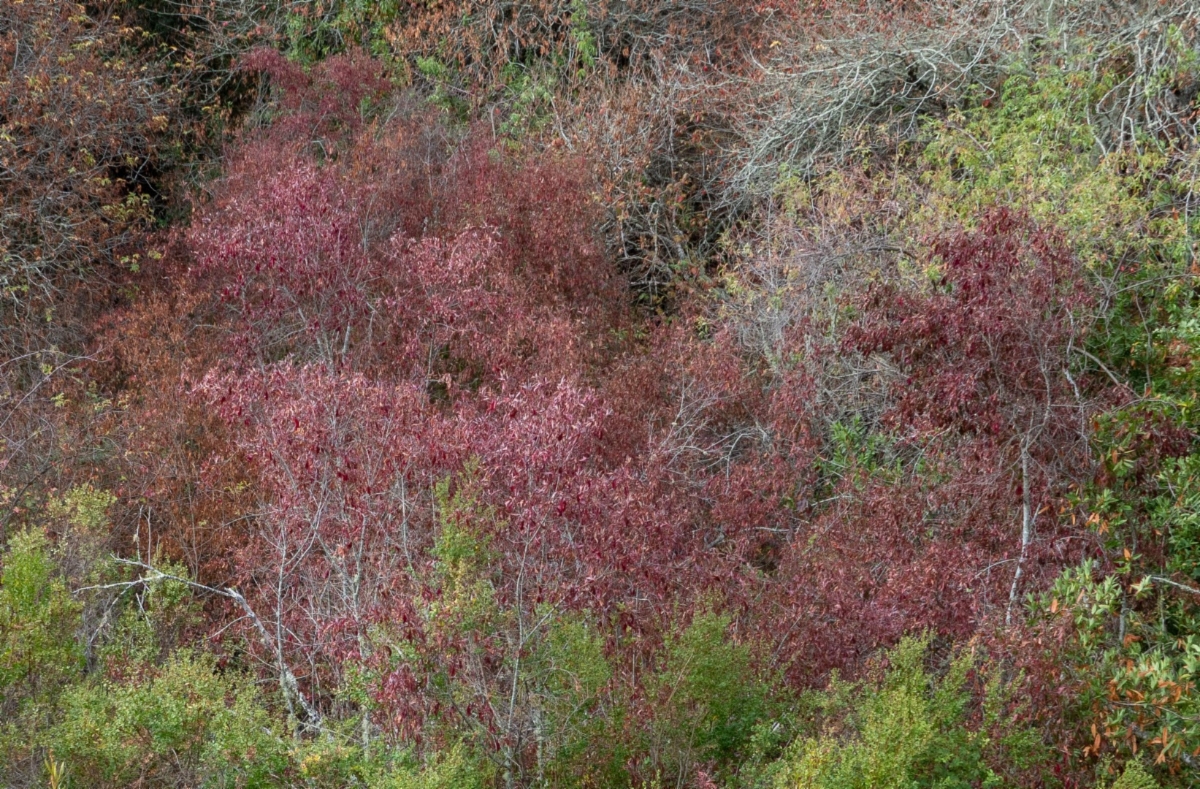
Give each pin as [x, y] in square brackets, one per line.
[599, 394]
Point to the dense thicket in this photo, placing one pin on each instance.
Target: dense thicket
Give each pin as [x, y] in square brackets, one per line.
[746, 395]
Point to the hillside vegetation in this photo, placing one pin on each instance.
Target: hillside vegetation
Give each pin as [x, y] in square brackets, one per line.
[432, 394]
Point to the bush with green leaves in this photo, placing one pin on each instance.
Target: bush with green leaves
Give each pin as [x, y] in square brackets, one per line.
[709, 698]
[1135, 776]
[152, 711]
[1034, 149]
[902, 727]
[185, 723]
[1135, 657]
[455, 767]
[39, 653]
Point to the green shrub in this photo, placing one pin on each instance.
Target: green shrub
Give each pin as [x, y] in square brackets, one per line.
[901, 728]
[38, 617]
[1135, 777]
[455, 767]
[39, 654]
[710, 698]
[186, 724]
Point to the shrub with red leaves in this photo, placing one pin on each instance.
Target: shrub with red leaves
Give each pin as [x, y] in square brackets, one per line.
[987, 348]
[988, 420]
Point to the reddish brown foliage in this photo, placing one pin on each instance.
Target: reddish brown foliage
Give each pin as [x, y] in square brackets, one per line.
[383, 315]
[625, 35]
[985, 378]
[81, 124]
[986, 351]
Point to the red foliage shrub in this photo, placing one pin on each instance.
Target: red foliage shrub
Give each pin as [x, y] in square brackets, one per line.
[334, 100]
[987, 421]
[386, 333]
[341, 464]
[987, 350]
[386, 259]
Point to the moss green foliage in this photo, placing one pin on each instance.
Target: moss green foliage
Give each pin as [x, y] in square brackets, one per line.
[39, 653]
[150, 713]
[182, 724]
[83, 508]
[1036, 149]
[712, 696]
[902, 727]
[450, 768]
[1135, 777]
